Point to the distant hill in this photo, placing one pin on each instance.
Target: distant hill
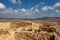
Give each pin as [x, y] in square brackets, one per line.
[49, 18]
[43, 18]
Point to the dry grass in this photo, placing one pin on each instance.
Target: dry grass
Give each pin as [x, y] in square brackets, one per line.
[29, 30]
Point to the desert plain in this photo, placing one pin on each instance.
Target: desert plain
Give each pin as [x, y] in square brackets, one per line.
[29, 30]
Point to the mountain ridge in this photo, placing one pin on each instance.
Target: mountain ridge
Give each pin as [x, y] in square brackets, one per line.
[42, 18]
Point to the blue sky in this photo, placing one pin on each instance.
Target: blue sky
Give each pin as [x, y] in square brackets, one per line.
[29, 8]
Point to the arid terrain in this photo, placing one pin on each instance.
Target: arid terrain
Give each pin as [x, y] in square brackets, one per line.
[29, 30]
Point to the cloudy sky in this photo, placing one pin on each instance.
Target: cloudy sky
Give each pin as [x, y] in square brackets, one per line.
[29, 8]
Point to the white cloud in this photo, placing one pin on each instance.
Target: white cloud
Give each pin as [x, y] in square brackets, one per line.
[32, 12]
[51, 8]
[23, 10]
[32, 8]
[56, 4]
[19, 12]
[13, 1]
[7, 11]
[16, 2]
[2, 6]
[45, 8]
[40, 4]
[16, 11]
[37, 10]
[57, 11]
